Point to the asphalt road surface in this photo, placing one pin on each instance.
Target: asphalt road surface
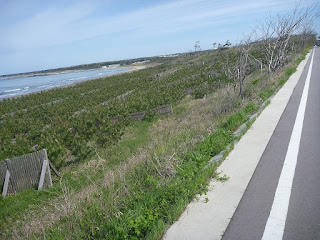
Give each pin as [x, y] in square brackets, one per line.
[282, 200]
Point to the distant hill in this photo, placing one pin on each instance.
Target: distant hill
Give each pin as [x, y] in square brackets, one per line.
[91, 66]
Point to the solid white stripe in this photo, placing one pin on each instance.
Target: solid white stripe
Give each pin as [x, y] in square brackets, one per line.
[277, 219]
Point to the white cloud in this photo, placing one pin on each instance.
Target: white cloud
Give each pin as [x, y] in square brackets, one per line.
[60, 25]
[48, 27]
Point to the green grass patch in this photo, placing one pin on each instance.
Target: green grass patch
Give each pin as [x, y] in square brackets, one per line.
[266, 93]
[300, 59]
[282, 80]
[256, 81]
[251, 108]
[289, 71]
[216, 142]
[234, 121]
[11, 207]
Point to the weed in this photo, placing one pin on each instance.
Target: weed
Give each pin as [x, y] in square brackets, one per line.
[299, 60]
[224, 178]
[251, 108]
[234, 121]
[289, 71]
[266, 94]
[256, 81]
[282, 80]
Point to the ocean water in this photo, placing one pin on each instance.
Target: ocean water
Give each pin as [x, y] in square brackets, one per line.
[10, 87]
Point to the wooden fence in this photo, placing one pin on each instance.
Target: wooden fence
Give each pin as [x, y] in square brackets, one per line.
[167, 109]
[31, 171]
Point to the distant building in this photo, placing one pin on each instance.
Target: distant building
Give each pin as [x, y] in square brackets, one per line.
[142, 62]
[114, 65]
[170, 55]
[111, 66]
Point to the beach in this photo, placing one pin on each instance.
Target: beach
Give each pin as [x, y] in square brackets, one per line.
[16, 86]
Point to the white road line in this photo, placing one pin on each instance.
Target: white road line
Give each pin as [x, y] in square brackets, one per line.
[277, 219]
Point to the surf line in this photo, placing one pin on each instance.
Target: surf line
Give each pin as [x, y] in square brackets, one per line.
[277, 219]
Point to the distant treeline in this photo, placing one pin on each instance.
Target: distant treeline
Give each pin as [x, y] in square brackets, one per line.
[90, 66]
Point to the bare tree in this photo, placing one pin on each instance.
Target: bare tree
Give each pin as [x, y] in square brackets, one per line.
[228, 63]
[305, 37]
[276, 32]
[242, 65]
[197, 46]
[214, 45]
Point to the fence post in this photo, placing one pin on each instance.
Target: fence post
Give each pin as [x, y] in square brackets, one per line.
[54, 169]
[48, 167]
[43, 173]
[6, 184]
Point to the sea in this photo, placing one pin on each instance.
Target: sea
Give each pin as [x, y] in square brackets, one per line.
[11, 87]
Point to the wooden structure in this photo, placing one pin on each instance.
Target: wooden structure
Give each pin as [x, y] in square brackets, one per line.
[167, 109]
[31, 171]
[140, 116]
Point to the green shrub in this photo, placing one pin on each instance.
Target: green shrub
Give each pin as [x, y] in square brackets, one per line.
[199, 93]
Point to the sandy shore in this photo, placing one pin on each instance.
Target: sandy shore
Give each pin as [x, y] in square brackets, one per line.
[130, 67]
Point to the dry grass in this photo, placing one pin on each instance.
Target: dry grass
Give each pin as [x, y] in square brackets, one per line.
[172, 135]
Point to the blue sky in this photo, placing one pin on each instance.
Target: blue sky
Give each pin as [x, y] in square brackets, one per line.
[37, 35]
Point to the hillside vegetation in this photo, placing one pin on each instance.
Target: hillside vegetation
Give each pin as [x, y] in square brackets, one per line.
[130, 180]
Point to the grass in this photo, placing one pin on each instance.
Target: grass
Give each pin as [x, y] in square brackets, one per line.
[151, 196]
[289, 71]
[136, 188]
[162, 138]
[75, 178]
[265, 94]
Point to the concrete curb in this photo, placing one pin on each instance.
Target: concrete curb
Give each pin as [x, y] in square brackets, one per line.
[204, 219]
[241, 130]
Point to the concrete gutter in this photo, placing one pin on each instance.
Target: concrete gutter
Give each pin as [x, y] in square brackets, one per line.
[209, 220]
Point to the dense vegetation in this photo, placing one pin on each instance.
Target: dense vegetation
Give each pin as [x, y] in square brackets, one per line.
[126, 208]
[65, 120]
[70, 122]
[139, 202]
